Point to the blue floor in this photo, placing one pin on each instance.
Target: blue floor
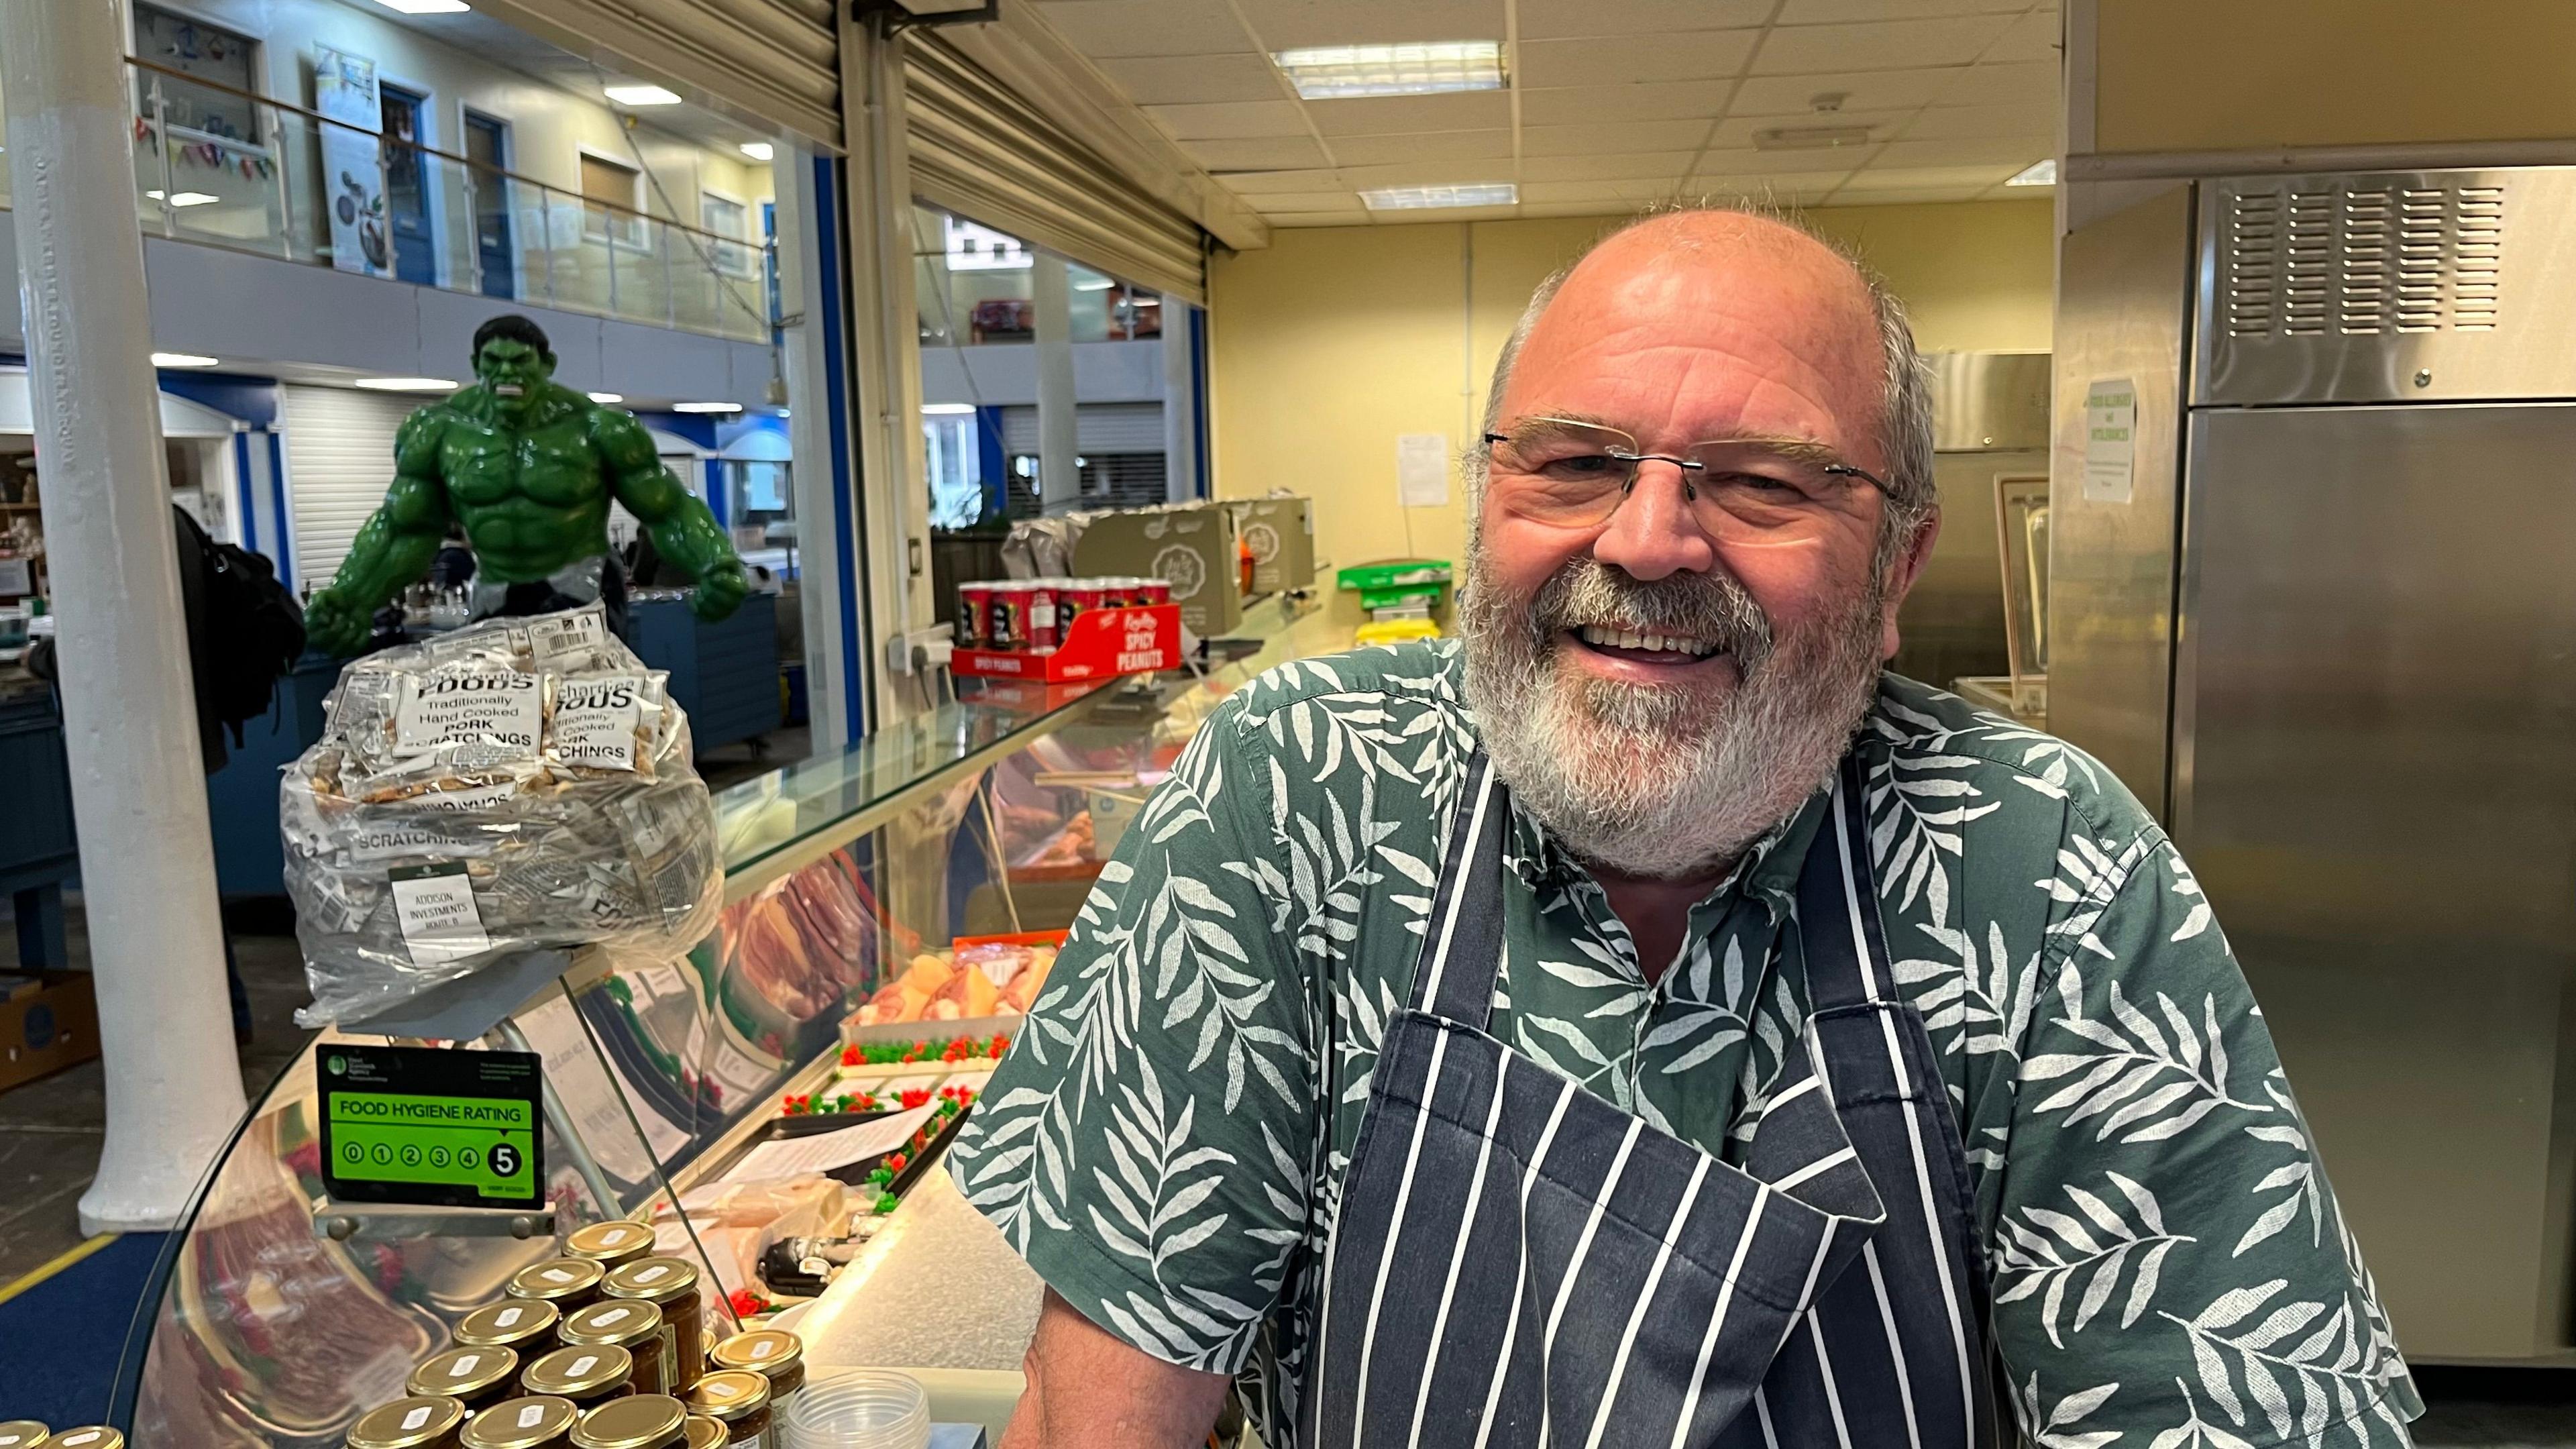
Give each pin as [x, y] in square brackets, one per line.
[60, 1340]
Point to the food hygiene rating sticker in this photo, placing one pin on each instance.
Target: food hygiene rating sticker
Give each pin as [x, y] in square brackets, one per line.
[433, 1128]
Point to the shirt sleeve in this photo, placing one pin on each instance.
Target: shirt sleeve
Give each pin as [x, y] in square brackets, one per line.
[2169, 1265]
[1145, 1143]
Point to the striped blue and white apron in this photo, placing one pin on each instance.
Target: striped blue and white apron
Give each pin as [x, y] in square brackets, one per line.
[1517, 1262]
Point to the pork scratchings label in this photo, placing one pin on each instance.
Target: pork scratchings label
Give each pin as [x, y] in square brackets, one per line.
[500, 709]
[595, 721]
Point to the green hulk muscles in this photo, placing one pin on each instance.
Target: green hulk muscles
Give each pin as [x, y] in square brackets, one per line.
[528, 467]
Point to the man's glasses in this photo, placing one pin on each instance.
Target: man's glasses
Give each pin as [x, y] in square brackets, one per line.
[1571, 474]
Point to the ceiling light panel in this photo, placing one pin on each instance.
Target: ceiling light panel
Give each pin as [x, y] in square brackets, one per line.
[758, 150]
[184, 359]
[605, 398]
[1547, 19]
[405, 384]
[706, 407]
[1338, 72]
[2037, 173]
[426, 7]
[641, 95]
[1427, 198]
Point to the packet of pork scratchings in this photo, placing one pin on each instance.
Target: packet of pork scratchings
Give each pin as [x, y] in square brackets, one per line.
[511, 785]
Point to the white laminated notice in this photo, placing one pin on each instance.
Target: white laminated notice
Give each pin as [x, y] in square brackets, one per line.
[501, 709]
[595, 721]
[435, 905]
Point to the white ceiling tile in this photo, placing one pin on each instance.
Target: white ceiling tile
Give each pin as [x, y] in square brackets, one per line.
[1287, 24]
[1427, 146]
[1604, 209]
[1825, 12]
[1552, 19]
[1653, 101]
[1102, 29]
[1879, 45]
[1613, 136]
[1426, 173]
[1634, 192]
[1399, 115]
[2012, 155]
[1628, 166]
[1880, 176]
[1271, 153]
[1231, 120]
[1416, 215]
[1173, 80]
[1999, 81]
[2019, 121]
[1874, 90]
[1691, 55]
[1926, 195]
[1763, 188]
[1286, 219]
[1717, 162]
[1262, 183]
[1736, 133]
[1306, 201]
[2033, 37]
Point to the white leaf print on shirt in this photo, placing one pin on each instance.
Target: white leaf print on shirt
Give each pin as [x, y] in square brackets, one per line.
[2144, 1086]
[2109, 1235]
[2298, 1368]
[2055, 1429]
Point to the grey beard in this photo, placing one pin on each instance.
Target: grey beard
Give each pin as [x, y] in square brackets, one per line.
[1651, 780]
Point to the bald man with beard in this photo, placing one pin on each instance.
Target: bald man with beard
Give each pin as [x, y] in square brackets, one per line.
[1645, 1021]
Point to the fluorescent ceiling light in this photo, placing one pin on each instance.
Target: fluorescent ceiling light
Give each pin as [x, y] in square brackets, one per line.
[706, 407]
[1102, 285]
[427, 7]
[1810, 138]
[405, 384]
[642, 96]
[1331, 72]
[185, 198]
[1420, 198]
[605, 398]
[946, 410]
[2037, 173]
[758, 150]
[182, 359]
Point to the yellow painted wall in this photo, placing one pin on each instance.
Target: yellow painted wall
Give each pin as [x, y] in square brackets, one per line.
[1332, 341]
[2197, 75]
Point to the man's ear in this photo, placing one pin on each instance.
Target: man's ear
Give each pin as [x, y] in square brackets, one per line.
[1901, 575]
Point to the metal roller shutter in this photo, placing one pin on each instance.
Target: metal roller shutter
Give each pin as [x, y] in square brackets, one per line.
[982, 152]
[1097, 427]
[779, 60]
[339, 460]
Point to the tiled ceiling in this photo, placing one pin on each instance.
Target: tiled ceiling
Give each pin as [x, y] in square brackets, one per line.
[1610, 103]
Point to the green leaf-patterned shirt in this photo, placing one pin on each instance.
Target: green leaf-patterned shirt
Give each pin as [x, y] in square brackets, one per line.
[1167, 1140]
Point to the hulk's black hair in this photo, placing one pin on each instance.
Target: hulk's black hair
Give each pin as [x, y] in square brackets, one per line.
[516, 328]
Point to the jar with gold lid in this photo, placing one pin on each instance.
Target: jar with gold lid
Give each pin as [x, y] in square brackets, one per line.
[567, 1283]
[645, 1421]
[525, 1327]
[23, 1434]
[587, 1374]
[704, 1433]
[425, 1421]
[739, 1400]
[88, 1436]
[612, 1244]
[670, 1284]
[630, 1325]
[537, 1421]
[773, 1353]
[481, 1377]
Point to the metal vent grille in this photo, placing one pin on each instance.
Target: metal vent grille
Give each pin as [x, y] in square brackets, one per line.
[2363, 261]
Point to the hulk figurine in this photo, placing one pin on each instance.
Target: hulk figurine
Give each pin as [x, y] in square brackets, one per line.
[527, 467]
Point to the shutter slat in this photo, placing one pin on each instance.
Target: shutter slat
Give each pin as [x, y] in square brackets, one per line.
[339, 461]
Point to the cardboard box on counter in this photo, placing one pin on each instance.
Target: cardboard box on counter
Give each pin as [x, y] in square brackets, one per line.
[46, 1025]
[1190, 546]
[1281, 534]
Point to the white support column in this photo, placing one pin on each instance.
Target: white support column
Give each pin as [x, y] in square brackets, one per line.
[826, 505]
[130, 726]
[1180, 403]
[1059, 440]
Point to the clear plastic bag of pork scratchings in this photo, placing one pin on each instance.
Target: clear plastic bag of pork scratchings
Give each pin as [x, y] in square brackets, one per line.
[512, 785]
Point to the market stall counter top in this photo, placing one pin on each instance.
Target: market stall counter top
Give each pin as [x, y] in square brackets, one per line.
[835, 985]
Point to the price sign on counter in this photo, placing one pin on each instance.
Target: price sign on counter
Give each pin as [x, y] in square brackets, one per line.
[431, 1128]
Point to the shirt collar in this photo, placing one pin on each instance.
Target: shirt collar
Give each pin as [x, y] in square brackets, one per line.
[1768, 872]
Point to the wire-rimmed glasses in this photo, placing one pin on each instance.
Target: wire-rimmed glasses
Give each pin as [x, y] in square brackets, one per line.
[1571, 473]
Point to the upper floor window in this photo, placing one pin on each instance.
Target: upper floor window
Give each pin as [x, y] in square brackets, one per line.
[727, 218]
[208, 52]
[616, 185]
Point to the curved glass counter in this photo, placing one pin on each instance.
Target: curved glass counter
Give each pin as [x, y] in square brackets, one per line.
[278, 1316]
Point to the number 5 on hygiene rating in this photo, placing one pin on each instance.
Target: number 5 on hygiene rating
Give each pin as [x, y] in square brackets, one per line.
[481, 1143]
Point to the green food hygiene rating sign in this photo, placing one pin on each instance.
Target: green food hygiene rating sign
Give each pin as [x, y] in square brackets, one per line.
[433, 1128]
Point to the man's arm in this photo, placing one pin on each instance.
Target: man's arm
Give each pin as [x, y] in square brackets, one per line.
[1087, 1389]
[392, 548]
[684, 532]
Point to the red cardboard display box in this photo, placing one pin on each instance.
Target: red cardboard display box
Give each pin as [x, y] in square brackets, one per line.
[1102, 643]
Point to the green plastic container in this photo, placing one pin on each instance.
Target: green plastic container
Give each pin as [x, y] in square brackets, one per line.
[1365, 577]
[1399, 594]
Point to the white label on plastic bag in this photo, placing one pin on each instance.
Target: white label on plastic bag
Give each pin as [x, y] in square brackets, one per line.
[595, 721]
[573, 635]
[1000, 969]
[474, 797]
[500, 709]
[531, 1416]
[370, 844]
[435, 904]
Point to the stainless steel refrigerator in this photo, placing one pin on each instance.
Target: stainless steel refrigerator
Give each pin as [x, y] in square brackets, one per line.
[2325, 623]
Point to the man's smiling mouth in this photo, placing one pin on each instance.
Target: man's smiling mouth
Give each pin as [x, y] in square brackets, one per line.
[1645, 646]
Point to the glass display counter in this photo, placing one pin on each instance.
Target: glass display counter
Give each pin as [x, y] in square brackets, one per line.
[278, 1315]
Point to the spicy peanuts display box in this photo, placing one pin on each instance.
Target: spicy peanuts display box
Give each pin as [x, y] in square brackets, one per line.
[1100, 643]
